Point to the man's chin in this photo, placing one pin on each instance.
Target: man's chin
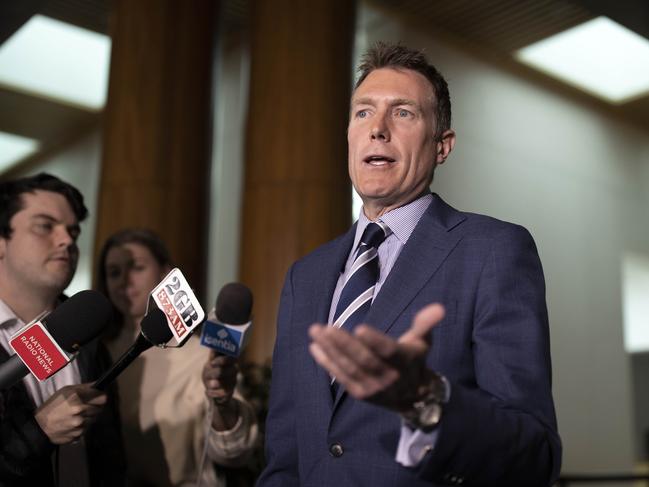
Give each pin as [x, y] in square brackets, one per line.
[378, 198]
[60, 281]
[378, 193]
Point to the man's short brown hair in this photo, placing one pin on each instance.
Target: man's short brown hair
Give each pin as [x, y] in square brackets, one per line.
[397, 56]
[11, 201]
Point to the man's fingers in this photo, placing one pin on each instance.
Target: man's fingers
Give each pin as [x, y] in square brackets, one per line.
[423, 323]
[334, 365]
[88, 394]
[381, 344]
[369, 362]
[346, 350]
[353, 364]
[90, 411]
[327, 354]
[357, 381]
[386, 347]
[97, 401]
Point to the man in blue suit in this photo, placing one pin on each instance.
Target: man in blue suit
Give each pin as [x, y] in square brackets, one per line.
[456, 392]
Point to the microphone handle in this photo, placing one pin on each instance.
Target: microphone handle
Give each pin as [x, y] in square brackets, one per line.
[140, 345]
[11, 371]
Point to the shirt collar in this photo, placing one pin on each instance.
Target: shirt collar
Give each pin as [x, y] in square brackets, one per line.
[7, 316]
[402, 220]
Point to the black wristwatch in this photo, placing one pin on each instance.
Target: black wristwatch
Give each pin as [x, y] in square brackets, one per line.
[426, 411]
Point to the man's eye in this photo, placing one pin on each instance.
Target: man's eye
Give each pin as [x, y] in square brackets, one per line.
[44, 227]
[361, 114]
[403, 113]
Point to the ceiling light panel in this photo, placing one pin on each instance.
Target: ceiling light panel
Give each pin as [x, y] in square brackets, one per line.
[14, 148]
[57, 60]
[600, 57]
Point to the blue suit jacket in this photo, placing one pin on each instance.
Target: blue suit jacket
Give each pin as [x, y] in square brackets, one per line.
[499, 428]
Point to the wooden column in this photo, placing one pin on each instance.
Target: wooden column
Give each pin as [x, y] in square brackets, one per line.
[297, 191]
[157, 126]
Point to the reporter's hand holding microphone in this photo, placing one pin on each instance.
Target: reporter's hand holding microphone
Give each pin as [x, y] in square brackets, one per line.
[220, 378]
[66, 414]
[226, 336]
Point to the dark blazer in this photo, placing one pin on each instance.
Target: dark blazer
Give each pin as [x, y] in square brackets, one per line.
[499, 428]
[26, 455]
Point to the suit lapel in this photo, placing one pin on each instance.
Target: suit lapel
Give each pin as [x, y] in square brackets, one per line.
[426, 249]
[331, 265]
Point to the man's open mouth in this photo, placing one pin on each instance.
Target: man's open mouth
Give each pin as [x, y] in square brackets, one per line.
[378, 160]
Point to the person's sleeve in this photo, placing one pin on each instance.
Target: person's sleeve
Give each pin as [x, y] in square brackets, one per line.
[280, 446]
[233, 447]
[413, 445]
[23, 445]
[502, 429]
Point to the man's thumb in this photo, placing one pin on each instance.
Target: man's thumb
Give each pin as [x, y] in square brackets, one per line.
[423, 323]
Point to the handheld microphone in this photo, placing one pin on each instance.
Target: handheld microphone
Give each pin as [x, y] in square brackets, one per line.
[42, 346]
[155, 331]
[229, 331]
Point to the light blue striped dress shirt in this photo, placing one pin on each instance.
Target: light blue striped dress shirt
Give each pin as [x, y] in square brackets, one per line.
[402, 222]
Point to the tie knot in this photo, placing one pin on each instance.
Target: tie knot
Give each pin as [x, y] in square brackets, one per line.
[375, 234]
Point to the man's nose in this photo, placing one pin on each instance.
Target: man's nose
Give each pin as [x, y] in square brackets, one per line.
[64, 238]
[380, 130]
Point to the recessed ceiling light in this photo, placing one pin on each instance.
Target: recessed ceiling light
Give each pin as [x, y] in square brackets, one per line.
[57, 60]
[600, 57]
[13, 148]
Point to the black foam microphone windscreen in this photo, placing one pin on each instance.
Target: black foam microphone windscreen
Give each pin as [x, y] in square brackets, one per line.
[155, 328]
[79, 319]
[234, 304]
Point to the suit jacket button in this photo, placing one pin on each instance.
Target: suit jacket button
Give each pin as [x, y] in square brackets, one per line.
[336, 450]
[453, 479]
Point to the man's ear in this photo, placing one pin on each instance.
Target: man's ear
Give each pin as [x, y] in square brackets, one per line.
[445, 145]
[3, 247]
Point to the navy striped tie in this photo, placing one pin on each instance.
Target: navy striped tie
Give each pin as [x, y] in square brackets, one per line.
[358, 290]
